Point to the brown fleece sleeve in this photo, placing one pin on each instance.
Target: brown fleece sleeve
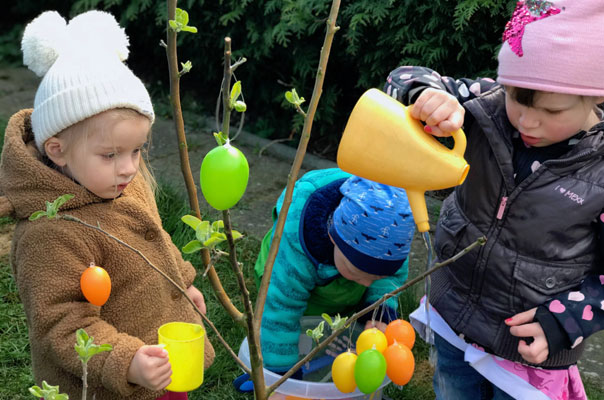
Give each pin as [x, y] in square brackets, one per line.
[186, 269]
[188, 272]
[50, 258]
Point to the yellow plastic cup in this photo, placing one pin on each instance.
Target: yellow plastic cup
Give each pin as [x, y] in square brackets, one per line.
[185, 343]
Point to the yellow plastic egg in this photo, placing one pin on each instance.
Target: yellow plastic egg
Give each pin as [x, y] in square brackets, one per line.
[342, 372]
[371, 338]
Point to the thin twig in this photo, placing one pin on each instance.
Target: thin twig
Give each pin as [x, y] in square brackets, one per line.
[301, 151]
[300, 110]
[237, 64]
[84, 379]
[272, 142]
[253, 333]
[215, 257]
[185, 167]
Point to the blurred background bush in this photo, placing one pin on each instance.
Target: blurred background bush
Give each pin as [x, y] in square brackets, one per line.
[281, 40]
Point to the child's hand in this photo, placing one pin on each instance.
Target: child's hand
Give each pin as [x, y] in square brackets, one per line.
[376, 324]
[522, 325]
[197, 297]
[441, 111]
[150, 368]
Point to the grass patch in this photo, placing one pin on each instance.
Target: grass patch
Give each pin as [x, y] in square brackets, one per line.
[593, 388]
[15, 365]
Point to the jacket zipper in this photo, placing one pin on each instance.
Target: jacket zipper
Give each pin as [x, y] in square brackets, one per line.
[504, 199]
[572, 160]
[501, 209]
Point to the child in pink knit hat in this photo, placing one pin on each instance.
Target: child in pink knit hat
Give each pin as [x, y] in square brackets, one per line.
[511, 318]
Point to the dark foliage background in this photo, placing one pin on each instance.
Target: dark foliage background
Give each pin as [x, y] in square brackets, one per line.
[282, 39]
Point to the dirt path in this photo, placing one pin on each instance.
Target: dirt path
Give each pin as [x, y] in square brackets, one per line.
[268, 177]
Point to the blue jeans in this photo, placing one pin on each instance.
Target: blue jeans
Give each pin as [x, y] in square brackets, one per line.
[455, 379]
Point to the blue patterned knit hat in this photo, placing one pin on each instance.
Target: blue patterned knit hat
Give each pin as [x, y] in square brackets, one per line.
[373, 226]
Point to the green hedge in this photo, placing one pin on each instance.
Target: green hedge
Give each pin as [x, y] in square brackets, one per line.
[282, 39]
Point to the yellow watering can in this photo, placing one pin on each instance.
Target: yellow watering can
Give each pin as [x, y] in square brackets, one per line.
[184, 343]
[383, 143]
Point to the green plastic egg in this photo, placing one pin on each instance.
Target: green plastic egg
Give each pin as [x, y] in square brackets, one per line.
[369, 370]
[223, 176]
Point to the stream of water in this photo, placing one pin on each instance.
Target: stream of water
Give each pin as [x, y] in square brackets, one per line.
[429, 335]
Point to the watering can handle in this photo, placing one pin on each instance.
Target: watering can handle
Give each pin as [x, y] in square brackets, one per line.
[459, 147]
[417, 199]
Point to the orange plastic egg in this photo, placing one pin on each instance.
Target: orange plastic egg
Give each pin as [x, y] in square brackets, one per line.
[400, 363]
[342, 372]
[371, 338]
[400, 331]
[96, 285]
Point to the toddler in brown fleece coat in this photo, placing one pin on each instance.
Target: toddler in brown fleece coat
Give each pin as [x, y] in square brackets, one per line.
[90, 122]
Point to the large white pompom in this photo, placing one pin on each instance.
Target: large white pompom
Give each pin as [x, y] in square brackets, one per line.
[98, 31]
[43, 40]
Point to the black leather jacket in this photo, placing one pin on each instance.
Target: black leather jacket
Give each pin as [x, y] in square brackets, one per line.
[541, 237]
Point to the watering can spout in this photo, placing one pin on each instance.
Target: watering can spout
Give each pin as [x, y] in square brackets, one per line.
[417, 201]
[383, 143]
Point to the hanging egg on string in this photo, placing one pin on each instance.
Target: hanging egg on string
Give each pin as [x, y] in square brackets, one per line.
[400, 331]
[370, 370]
[95, 284]
[400, 363]
[371, 338]
[342, 371]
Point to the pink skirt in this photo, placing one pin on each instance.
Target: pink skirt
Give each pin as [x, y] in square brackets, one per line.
[517, 380]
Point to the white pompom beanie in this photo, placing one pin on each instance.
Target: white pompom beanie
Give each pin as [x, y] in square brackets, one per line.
[83, 71]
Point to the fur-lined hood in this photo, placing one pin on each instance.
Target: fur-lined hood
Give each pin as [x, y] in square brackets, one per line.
[26, 181]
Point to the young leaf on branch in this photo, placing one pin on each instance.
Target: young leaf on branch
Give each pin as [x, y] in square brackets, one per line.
[293, 98]
[181, 21]
[48, 392]
[207, 235]
[186, 67]
[51, 208]
[86, 348]
[236, 104]
[317, 333]
[240, 106]
[337, 321]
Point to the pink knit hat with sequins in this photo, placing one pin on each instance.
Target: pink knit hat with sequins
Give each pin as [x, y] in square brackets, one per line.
[555, 46]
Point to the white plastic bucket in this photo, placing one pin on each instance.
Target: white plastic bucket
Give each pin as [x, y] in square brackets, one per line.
[293, 388]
